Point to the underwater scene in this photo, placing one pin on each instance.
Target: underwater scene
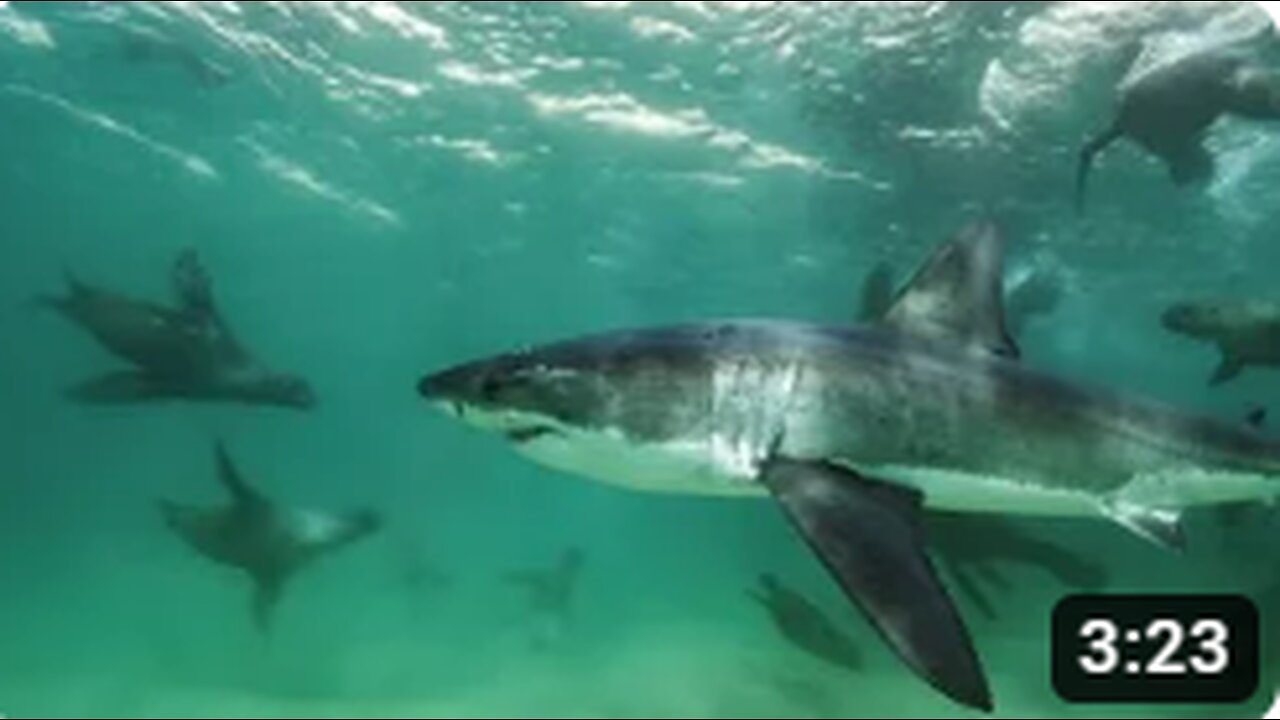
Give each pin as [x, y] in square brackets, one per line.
[638, 360]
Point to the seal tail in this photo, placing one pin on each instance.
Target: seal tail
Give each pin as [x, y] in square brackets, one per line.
[1088, 154]
[75, 289]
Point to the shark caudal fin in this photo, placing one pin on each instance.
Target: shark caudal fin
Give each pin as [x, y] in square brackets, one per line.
[958, 294]
[869, 536]
[1088, 155]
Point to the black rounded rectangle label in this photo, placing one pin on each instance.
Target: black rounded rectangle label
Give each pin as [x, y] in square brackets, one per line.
[1156, 649]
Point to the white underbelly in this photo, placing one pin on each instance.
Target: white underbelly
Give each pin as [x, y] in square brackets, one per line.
[969, 492]
[695, 467]
[710, 467]
[713, 467]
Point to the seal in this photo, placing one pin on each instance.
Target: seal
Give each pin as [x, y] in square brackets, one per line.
[804, 625]
[187, 351]
[1247, 334]
[1169, 109]
[268, 542]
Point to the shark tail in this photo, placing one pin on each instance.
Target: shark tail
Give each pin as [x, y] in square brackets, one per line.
[1088, 154]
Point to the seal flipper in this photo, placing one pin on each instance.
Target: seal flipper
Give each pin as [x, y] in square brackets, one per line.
[1229, 369]
[76, 290]
[1189, 164]
[1088, 154]
[323, 533]
[120, 388]
[244, 495]
[957, 295]
[192, 287]
[869, 536]
[267, 589]
[193, 293]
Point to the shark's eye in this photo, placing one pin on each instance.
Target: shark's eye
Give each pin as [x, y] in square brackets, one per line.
[495, 385]
[491, 386]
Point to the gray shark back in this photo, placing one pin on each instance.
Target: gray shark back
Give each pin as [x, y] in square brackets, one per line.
[874, 397]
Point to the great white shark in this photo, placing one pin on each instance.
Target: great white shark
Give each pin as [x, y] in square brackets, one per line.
[857, 431]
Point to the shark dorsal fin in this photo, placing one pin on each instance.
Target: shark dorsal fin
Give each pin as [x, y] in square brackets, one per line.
[877, 293]
[244, 495]
[957, 295]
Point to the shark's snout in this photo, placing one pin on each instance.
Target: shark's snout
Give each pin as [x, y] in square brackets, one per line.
[450, 386]
[432, 387]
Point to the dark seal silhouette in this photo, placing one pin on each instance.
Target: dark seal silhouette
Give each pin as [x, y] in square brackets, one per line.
[187, 351]
[1169, 109]
[804, 625]
[269, 542]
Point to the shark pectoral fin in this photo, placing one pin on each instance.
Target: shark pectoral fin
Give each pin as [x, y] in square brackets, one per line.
[119, 388]
[958, 294]
[868, 534]
[1162, 527]
[1229, 369]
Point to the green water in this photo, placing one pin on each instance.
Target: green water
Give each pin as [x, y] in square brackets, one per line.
[384, 189]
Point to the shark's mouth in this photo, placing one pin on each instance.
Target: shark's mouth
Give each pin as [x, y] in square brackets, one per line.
[529, 433]
[518, 428]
